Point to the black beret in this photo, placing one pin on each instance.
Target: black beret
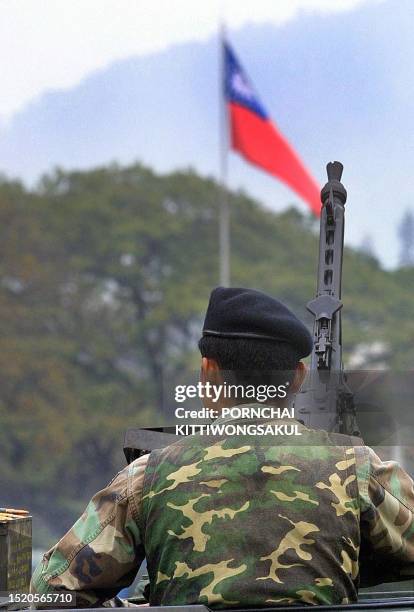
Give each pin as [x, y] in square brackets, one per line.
[235, 312]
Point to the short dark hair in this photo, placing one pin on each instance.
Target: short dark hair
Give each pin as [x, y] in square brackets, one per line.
[251, 361]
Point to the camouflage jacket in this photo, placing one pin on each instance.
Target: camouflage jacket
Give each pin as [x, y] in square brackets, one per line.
[238, 521]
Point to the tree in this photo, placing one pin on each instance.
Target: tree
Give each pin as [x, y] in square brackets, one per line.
[406, 234]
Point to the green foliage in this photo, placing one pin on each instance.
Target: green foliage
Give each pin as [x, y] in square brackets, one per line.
[104, 280]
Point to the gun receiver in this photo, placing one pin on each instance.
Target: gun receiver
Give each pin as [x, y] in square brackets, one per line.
[325, 401]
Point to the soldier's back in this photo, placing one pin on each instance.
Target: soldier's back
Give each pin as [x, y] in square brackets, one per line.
[251, 520]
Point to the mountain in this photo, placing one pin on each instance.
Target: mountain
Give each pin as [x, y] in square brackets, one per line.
[339, 86]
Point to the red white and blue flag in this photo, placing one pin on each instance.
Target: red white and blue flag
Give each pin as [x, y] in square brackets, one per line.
[257, 139]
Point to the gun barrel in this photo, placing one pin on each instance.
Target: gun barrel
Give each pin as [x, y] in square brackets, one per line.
[327, 304]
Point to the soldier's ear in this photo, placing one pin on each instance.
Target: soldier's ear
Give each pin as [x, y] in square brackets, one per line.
[209, 367]
[209, 371]
[300, 375]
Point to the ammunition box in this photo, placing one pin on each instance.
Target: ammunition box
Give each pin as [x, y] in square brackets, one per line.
[15, 554]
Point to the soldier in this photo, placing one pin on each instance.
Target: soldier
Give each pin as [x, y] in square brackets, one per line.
[242, 520]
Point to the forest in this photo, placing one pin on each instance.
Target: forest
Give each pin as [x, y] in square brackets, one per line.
[104, 279]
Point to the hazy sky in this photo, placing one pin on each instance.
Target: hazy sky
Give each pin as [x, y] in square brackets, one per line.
[351, 70]
[53, 44]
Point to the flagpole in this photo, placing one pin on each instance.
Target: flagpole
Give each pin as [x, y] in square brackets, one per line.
[224, 207]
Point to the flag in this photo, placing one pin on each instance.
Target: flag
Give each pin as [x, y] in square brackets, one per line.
[257, 139]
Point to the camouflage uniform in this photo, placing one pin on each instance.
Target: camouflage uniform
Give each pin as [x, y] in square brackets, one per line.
[240, 521]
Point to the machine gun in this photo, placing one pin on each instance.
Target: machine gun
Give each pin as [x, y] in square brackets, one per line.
[325, 401]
